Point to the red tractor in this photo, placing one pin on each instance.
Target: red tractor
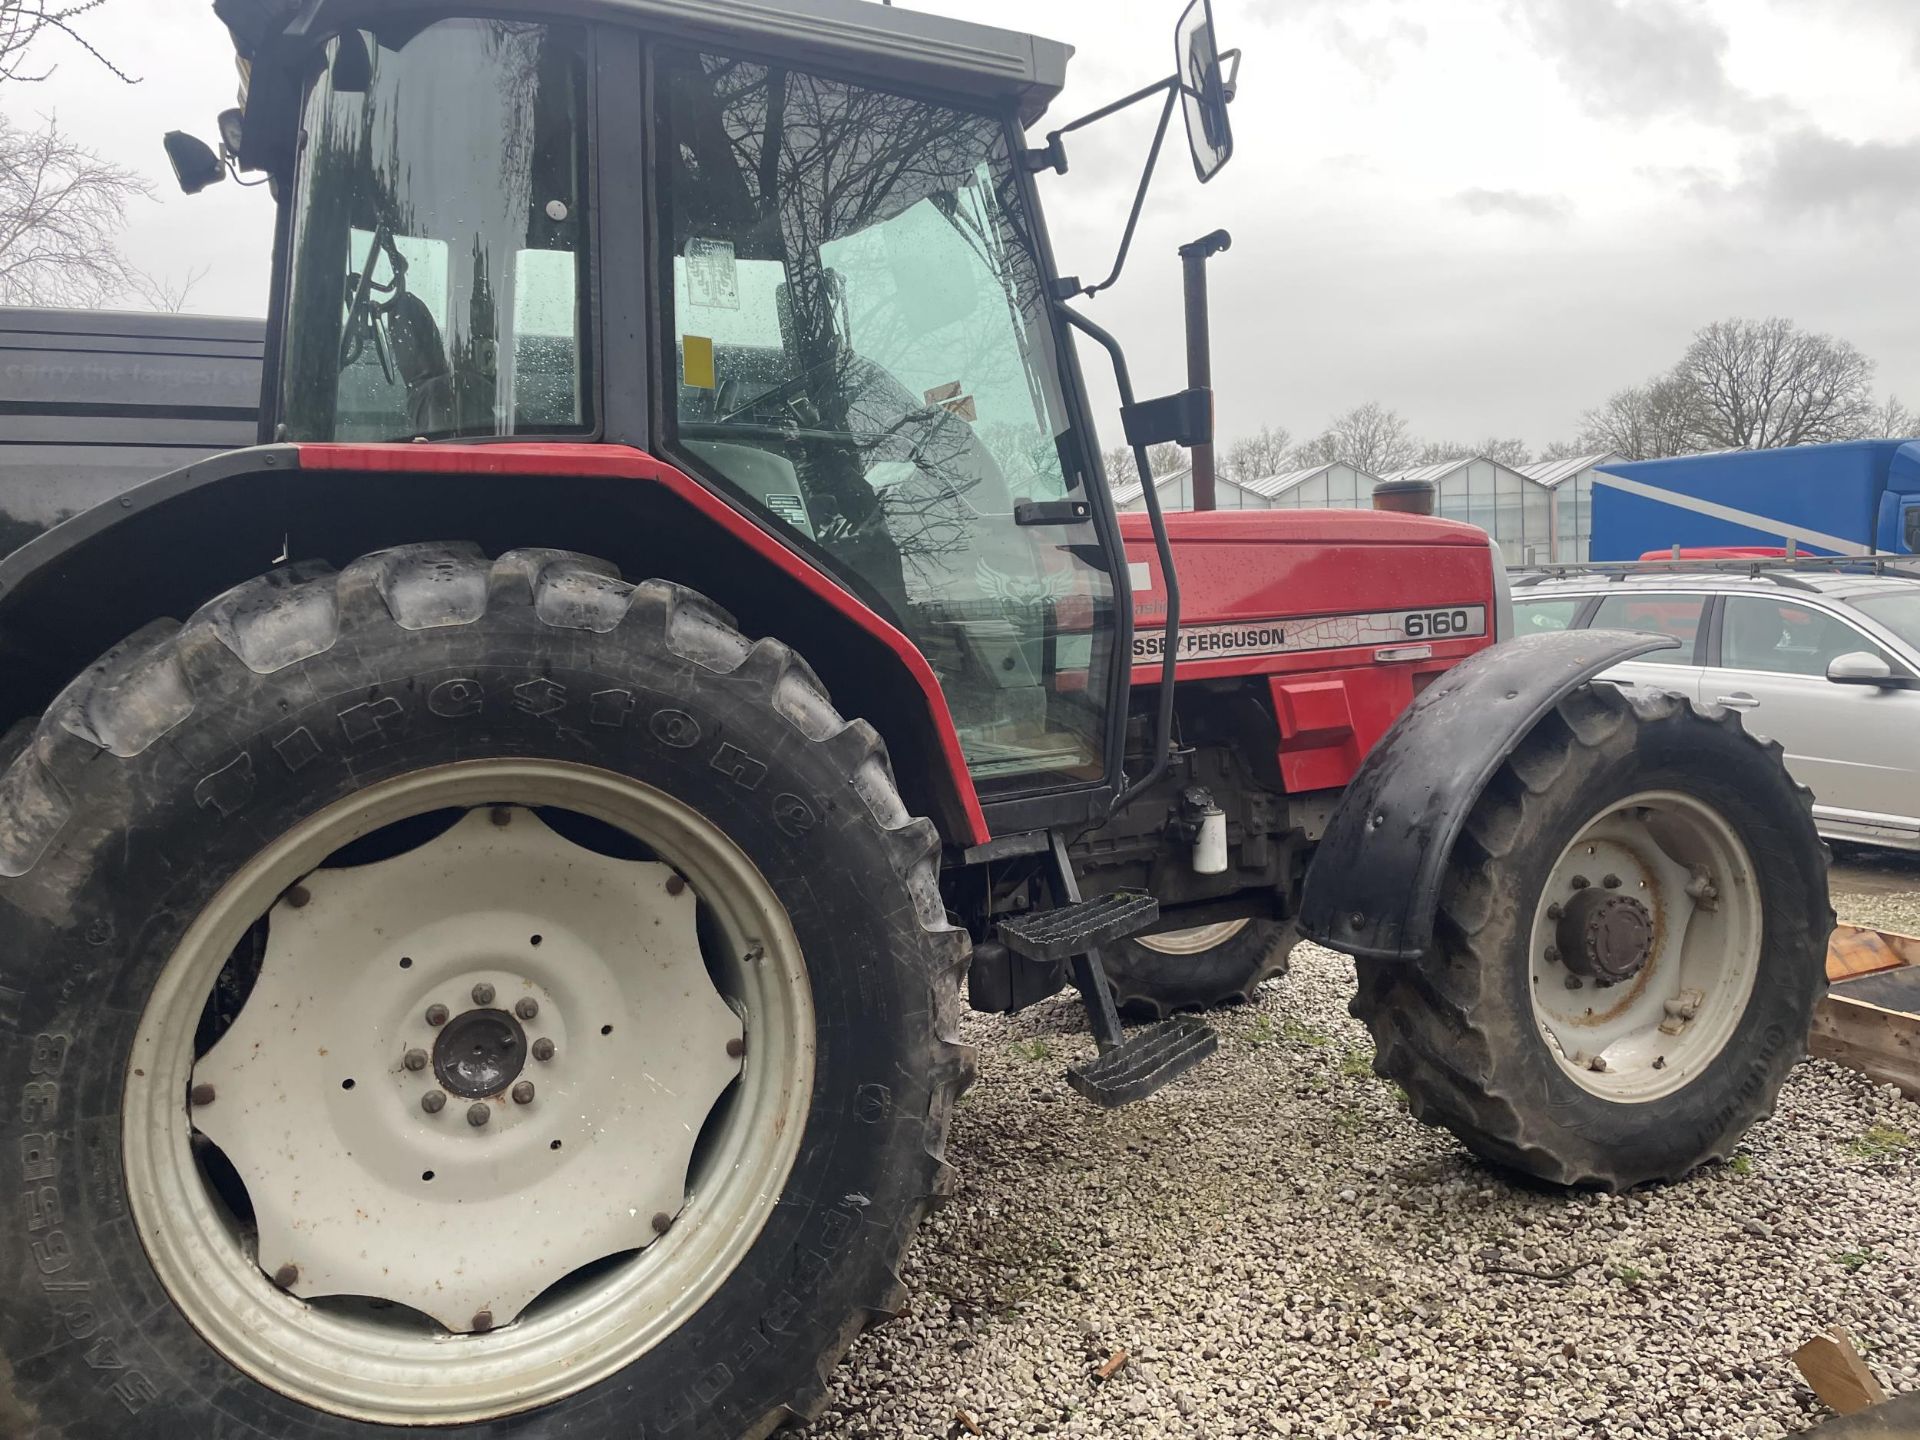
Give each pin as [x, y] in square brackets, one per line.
[461, 965]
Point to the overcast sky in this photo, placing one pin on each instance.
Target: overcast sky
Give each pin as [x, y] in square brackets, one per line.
[1485, 213]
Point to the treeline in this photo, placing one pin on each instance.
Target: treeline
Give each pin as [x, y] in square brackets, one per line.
[1740, 385]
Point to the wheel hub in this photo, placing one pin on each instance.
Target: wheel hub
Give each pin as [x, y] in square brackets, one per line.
[480, 1053]
[1605, 936]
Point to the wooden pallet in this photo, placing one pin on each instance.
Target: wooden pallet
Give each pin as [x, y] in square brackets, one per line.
[1870, 1020]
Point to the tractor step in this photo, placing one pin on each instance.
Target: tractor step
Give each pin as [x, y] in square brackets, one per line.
[1144, 1061]
[1047, 936]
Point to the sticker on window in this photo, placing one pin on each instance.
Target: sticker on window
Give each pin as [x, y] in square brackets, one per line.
[952, 398]
[696, 362]
[793, 510]
[713, 277]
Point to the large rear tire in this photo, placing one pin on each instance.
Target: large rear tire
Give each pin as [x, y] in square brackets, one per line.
[1197, 969]
[582, 755]
[1630, 945]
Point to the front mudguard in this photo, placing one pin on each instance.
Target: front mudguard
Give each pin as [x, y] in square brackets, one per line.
[1374, 885]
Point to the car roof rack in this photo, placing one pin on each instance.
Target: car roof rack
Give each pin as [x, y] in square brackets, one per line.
[1776, 568]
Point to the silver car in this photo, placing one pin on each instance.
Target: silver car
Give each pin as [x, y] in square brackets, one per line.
[1827, 663]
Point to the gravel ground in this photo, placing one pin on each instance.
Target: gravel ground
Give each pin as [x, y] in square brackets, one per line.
[1282, 1250]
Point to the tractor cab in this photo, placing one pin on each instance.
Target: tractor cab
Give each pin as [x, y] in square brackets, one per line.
[800, 258]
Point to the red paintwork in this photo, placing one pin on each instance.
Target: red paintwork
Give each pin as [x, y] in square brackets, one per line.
[1248, 565]
[1718, 552]
[622, 462]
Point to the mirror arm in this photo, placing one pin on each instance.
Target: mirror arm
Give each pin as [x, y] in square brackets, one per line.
[1053, 155]
[1068, 286]
[1230, 82]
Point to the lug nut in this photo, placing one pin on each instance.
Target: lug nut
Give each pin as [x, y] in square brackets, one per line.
[523, 1093]
[436, 1014]
[675, 884]
[526, 1007]
[287, 1276]
[483, 1319]
[483, 994]
[479, 1114]
[502, 815]
[662, 1223]
[1574, 982]
[1612, 882]
[543, 1049]
[201, 1095]
[298, 896]
[416, 1059]
[433, 1102]
[736, 1047]
[1580, 882]
[1554, 912]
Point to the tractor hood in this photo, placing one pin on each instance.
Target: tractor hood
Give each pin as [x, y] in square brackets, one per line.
[904, 45]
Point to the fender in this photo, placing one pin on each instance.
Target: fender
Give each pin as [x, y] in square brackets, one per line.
[1374, 885]
[167, 546]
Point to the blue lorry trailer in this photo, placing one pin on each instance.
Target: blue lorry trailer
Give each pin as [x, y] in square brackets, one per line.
[1854, 498]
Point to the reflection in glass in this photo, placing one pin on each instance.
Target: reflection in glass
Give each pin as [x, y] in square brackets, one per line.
[863, 348]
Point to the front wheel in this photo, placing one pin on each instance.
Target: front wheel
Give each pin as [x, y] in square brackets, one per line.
[1630, 946]
[1196, 969]
[458, 988]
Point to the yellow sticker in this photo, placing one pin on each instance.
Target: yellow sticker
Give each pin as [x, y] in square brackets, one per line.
[696, 362]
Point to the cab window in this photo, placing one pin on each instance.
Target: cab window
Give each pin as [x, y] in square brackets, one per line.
[1784, 638]
[1675, 615]
[1537, 617]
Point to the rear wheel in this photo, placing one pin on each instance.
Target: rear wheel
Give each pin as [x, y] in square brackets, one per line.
[1630, 945]
[1155, 975]
[461, 988]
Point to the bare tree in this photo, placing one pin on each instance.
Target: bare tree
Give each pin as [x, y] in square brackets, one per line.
[62, 207]
[1766, 383]
[1369, 437]
[163, 292]
[1117, 461]
[1647, 422]
[1254, 457]
[1566, 449]
[1167, 459]
[1891, 420]
[1509, 451]
[22, 22]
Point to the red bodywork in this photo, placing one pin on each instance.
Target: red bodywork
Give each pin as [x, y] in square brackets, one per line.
[623, 462]
[1271, 581]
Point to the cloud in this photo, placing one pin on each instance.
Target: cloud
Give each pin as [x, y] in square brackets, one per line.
[1811, 173]
[1518, 204]
[1374, 49]
[1644, 58]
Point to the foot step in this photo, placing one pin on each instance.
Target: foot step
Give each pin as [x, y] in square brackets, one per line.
[1062, 933]
[1144, 1061]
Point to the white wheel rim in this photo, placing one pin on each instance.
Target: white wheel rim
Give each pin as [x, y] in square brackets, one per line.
[1195, 941]
[385, 1364]
[1653, 1033]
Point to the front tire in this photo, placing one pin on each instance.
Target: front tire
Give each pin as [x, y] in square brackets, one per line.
[1197, 969]
[1629, 948]
[360, 715]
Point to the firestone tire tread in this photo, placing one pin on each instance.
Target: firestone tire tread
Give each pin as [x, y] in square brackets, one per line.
[1152, 985]
[1456, 1030]
[136, 699]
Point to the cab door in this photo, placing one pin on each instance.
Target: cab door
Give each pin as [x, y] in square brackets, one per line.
[1852, 745]
[1674, 613]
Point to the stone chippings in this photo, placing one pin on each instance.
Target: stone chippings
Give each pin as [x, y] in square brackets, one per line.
[1283, 1250]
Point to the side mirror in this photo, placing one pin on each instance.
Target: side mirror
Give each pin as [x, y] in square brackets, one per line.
[1859, 667]
[195, 165]
[1203, 90]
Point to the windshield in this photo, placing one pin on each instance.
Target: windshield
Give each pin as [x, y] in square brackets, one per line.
[863, 349]
[439, 237]
[1897, 610]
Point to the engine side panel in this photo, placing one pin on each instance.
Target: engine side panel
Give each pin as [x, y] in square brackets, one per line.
[1341, 616]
